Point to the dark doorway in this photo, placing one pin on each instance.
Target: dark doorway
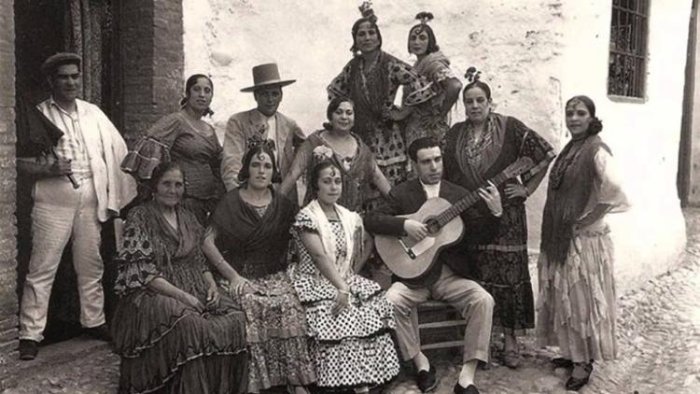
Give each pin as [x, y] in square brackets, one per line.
[42, 28]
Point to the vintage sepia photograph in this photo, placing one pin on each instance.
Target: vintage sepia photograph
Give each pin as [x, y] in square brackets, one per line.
[349, 196]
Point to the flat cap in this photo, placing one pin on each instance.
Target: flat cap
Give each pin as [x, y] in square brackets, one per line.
[59, 59]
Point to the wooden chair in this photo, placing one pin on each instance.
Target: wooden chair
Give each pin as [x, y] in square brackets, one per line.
[440, 326]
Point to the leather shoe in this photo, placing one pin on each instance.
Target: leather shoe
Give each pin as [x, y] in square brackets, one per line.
[471, 389]
[99, 332]
[575, 383]
[561, 362]
[426, 380]
[28, 349]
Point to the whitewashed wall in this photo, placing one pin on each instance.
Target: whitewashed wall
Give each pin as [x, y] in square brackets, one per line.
[644, 137]
[534, 53]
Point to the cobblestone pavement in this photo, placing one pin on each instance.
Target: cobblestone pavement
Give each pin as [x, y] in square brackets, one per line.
[658, 332]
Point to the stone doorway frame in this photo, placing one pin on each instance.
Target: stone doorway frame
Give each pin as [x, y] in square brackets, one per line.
[150, 73]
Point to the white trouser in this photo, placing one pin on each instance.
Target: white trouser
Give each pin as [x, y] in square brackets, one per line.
[59, 213]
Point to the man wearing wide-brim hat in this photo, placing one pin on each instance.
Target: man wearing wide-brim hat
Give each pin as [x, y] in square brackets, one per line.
[261, 123]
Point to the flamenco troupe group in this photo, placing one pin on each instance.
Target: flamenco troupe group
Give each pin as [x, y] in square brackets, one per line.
[227, 285]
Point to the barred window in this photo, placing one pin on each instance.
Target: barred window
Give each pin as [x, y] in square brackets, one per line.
[628, 48]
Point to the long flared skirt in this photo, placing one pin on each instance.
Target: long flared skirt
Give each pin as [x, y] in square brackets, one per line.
[576, 308]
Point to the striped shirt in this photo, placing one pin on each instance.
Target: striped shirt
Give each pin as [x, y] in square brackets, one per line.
[72, 145]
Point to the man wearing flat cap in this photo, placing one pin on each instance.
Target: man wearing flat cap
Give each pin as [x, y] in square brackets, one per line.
[260, 124]
[77, 187]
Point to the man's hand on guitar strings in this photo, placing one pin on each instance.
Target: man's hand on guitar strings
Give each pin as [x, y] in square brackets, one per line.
[492, 198]
[415, 229]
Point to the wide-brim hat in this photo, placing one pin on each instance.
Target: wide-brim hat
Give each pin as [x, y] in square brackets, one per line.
[266, 75]
[58, 59]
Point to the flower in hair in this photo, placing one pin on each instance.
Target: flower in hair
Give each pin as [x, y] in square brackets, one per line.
[255, 141]
[424, 17]
[322, 152]
[472, 74]
[367, 11]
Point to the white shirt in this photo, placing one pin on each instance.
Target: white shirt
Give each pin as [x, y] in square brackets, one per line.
[431, 191]
[272, 135]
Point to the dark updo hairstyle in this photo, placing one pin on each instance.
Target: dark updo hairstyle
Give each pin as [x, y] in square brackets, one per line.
[596, 125]
[332, 106]
[254, 150]
[367, 16]
[424, 17]
[158, 173]
[421, 143]
[316, 170]
[191, 81]
[472, 75]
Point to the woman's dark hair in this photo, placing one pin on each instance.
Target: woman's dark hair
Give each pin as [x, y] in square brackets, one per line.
[160, 170]
[257, 149]
[372, 20]
[596, 125]
[432, 41]
[316, 170]
[477, 84]
[191, 81]
[473, 75]
[332, 106]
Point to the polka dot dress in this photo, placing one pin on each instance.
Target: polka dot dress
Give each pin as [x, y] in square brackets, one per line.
[353, 348]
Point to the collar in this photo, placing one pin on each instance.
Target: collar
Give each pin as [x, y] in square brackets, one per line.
[78, 106]
[431, 190]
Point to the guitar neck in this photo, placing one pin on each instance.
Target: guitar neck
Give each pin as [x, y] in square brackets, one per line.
[465, 202]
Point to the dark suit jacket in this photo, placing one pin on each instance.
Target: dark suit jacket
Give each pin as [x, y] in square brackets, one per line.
[480, 226]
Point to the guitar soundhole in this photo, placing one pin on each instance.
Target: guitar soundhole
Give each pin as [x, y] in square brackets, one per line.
[433, 226]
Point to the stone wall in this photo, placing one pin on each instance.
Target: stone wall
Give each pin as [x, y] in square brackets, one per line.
[534, 54]
[152, 62]
[8, 298]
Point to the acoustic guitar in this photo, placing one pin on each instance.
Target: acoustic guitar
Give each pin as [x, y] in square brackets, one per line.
[408, 258]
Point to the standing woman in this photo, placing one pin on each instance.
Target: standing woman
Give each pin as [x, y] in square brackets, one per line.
[432, 117]
[350, 154]
[349, 316]
[185, 138]
[577, 302]
[247, 242]
[475, 151]
[174, 331]
[371, 80]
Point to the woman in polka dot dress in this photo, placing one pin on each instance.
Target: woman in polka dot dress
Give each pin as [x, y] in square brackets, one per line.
[348, 316]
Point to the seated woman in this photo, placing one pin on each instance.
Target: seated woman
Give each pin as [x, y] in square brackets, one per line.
[247, 242]
[352, 156]
[349, 317]
[174, 331]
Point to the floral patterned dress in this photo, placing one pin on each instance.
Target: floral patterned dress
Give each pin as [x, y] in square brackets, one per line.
[501, 265]
[254, 240]
[373, 88]
[426, 120]
[353, 348]
[164, 344]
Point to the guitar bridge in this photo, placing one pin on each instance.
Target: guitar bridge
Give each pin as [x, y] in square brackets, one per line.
[408, 250]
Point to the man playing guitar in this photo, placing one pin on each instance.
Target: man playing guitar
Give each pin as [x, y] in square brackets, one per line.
[440, 282]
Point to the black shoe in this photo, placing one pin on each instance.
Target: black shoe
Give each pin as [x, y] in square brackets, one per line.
[28, 349]
[471, 389]
[575, 384]
[426, 380]
[561, 362]
[99, 332]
